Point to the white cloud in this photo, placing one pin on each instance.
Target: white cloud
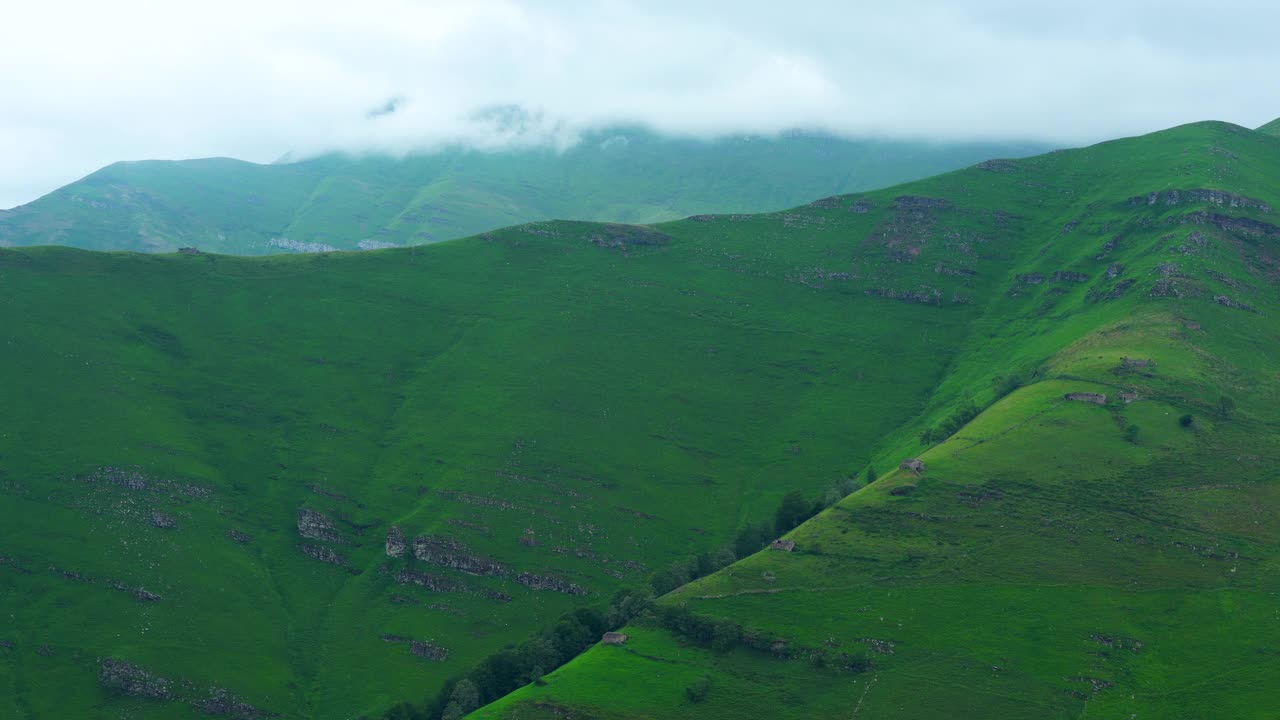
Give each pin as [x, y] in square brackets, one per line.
[83, 84]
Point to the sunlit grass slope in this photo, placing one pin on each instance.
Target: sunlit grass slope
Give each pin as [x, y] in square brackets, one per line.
[1054, 558]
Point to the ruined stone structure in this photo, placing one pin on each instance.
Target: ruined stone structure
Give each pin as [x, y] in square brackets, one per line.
[915, 465]
[783, 545]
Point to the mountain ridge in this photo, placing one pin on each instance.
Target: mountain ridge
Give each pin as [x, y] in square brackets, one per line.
[368, 201]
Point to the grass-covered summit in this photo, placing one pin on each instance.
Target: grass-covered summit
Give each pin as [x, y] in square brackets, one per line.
[338, 202]
[321, 485]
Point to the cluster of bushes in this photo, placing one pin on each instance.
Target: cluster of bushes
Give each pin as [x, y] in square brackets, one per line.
[514, 667]
[723, 635]
[793, 510]
[948, 427]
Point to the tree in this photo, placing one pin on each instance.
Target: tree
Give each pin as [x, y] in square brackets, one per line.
[793, 511]
[871, 474]
[1131, 433]
[1186, 420]
[465, 698]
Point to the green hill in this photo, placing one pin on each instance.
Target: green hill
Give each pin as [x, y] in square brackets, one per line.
[341, 202]
[202, 459]
[1054, 557]
[1271, 128]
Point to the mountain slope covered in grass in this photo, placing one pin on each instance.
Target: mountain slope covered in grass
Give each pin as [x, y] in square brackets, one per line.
[321, 486]
[1093, 536]
[348, 203]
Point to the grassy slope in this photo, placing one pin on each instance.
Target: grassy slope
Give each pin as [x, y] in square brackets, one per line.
[620, 175]
[1044, 565]
[607, 397]
[630, 403]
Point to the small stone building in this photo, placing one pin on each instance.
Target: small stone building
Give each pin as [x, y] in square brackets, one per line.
[613, 638]
[189, 251]
[783, 545]
[915, 465]
[1095, 398]
[1128, 396]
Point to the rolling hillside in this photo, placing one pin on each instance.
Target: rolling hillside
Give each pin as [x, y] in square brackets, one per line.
[1096, 542]
[321, 486]
[338, 202]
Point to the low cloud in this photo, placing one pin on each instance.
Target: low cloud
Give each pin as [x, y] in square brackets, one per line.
[87, 83]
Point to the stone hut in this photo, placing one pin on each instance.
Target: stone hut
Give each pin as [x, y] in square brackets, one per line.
[613, 638]
[1135, 363]
[189, 251]
[1128, 396]
[1095, 398]
[783, 545]
[915, 465]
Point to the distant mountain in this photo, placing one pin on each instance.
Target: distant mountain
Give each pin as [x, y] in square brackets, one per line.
[339, 202]
[1271, 128]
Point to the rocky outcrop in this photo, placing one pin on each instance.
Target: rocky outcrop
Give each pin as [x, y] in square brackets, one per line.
[317, 526]
[627, 236]
[299, 246]
[1069, 276]
[1237, 225]
[162, 520]
[1196, 242]
[1112, 292]
[421, 648]
[1166, 287]
[549, 582]
[861, 207]
[222, 702]
[917, 202]
[323, 554]
[1095, 398]
[1213, 197]
[237, 536]
[1235, 304]
[1114, 270]
[129, 679]
[924, 295]
[434, 583]
[395, 542]
[480, 500]
[449, 552]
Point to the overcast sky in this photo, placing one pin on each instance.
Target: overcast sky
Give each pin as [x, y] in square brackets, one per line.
[86, 83]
